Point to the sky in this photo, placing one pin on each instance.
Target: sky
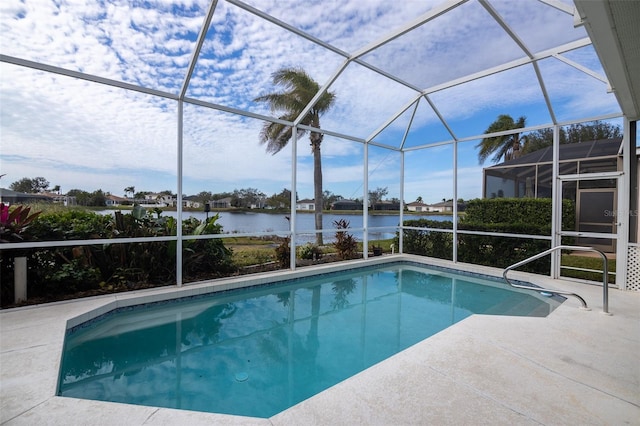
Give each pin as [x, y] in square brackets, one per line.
[83, 135]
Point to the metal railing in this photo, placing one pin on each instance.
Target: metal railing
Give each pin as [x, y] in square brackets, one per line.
[605, 278]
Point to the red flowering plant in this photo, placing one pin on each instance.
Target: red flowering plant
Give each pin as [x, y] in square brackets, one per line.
[13, 222]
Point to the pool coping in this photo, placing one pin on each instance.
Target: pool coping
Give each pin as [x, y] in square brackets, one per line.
[22, 403]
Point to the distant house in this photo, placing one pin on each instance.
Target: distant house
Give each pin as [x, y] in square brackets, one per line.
[417, 207]
[258, 204]
[386, 205]
[222, 203]
[60, 198]
[157, 200]
[306, 205]
[191, 202]
[346, 205]
[114, 201]
[442, 207]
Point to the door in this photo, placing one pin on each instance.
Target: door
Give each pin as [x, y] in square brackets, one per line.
[595, 213]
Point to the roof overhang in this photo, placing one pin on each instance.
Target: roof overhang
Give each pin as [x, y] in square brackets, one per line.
[613, 28]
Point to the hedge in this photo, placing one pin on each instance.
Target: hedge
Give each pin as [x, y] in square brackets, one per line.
[519, 212]
[503, 215]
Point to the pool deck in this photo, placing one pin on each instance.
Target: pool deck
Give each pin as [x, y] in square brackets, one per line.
[574, 367]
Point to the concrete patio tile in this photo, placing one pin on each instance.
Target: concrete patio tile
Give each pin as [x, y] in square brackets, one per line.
[57, 411]
[401, 391]
[572, 367]
[28, 377]
[170, 417]
[571, 349]
[527, 386]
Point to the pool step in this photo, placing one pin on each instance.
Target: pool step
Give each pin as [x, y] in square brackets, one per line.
[528, 307]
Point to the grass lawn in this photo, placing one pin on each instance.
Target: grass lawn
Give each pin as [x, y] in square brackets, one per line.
[586, 262]
[249, 251]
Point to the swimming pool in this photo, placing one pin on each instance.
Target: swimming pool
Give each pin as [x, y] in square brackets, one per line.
[257, 351]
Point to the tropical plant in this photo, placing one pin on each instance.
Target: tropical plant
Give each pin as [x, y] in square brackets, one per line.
[345, 244]
[13, 222]
[505, 147]
[59, 272]
[283, 253]
[298, 90]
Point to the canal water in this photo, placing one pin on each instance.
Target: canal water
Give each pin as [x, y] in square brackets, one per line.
[250, 222]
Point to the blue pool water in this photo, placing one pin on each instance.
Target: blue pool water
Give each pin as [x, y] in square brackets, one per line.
[258, 351]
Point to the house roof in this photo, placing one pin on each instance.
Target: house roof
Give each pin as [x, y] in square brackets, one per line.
[613, 28]
[15, 194]
[443, 204]
[305, 201]
[571, 151]
[116, 198]
[346, 202]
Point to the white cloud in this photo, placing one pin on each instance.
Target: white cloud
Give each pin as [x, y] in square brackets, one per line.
[77, 133]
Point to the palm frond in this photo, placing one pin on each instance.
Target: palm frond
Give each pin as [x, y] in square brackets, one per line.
[501, 146]
[297, 90]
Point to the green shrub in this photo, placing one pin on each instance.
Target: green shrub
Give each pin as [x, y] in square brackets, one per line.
[428, 243]
[310, 251]
[71, 225]
[502, 215]
[57, 272]
[529, 211]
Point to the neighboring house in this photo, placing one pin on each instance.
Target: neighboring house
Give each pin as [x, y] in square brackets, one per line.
[595, 199]
[157, 200]
[114, 201]
[417, 207]
[191, 202]
[60, 198]
[222, 203]
[8, 196]
[259, 204]
[306, 205]
[386, 205]
[442, 207]
[530, 175]
[346, 205]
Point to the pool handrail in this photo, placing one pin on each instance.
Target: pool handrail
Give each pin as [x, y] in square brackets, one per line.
[605, 275]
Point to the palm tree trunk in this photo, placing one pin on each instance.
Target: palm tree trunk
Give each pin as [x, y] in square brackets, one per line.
[317, 187]
[516, 146]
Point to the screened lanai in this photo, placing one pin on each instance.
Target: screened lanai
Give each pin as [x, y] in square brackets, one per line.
[163, 97]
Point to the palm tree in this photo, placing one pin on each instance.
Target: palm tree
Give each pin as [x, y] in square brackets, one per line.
[129, 189]
[505, 146]
[298, 89]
